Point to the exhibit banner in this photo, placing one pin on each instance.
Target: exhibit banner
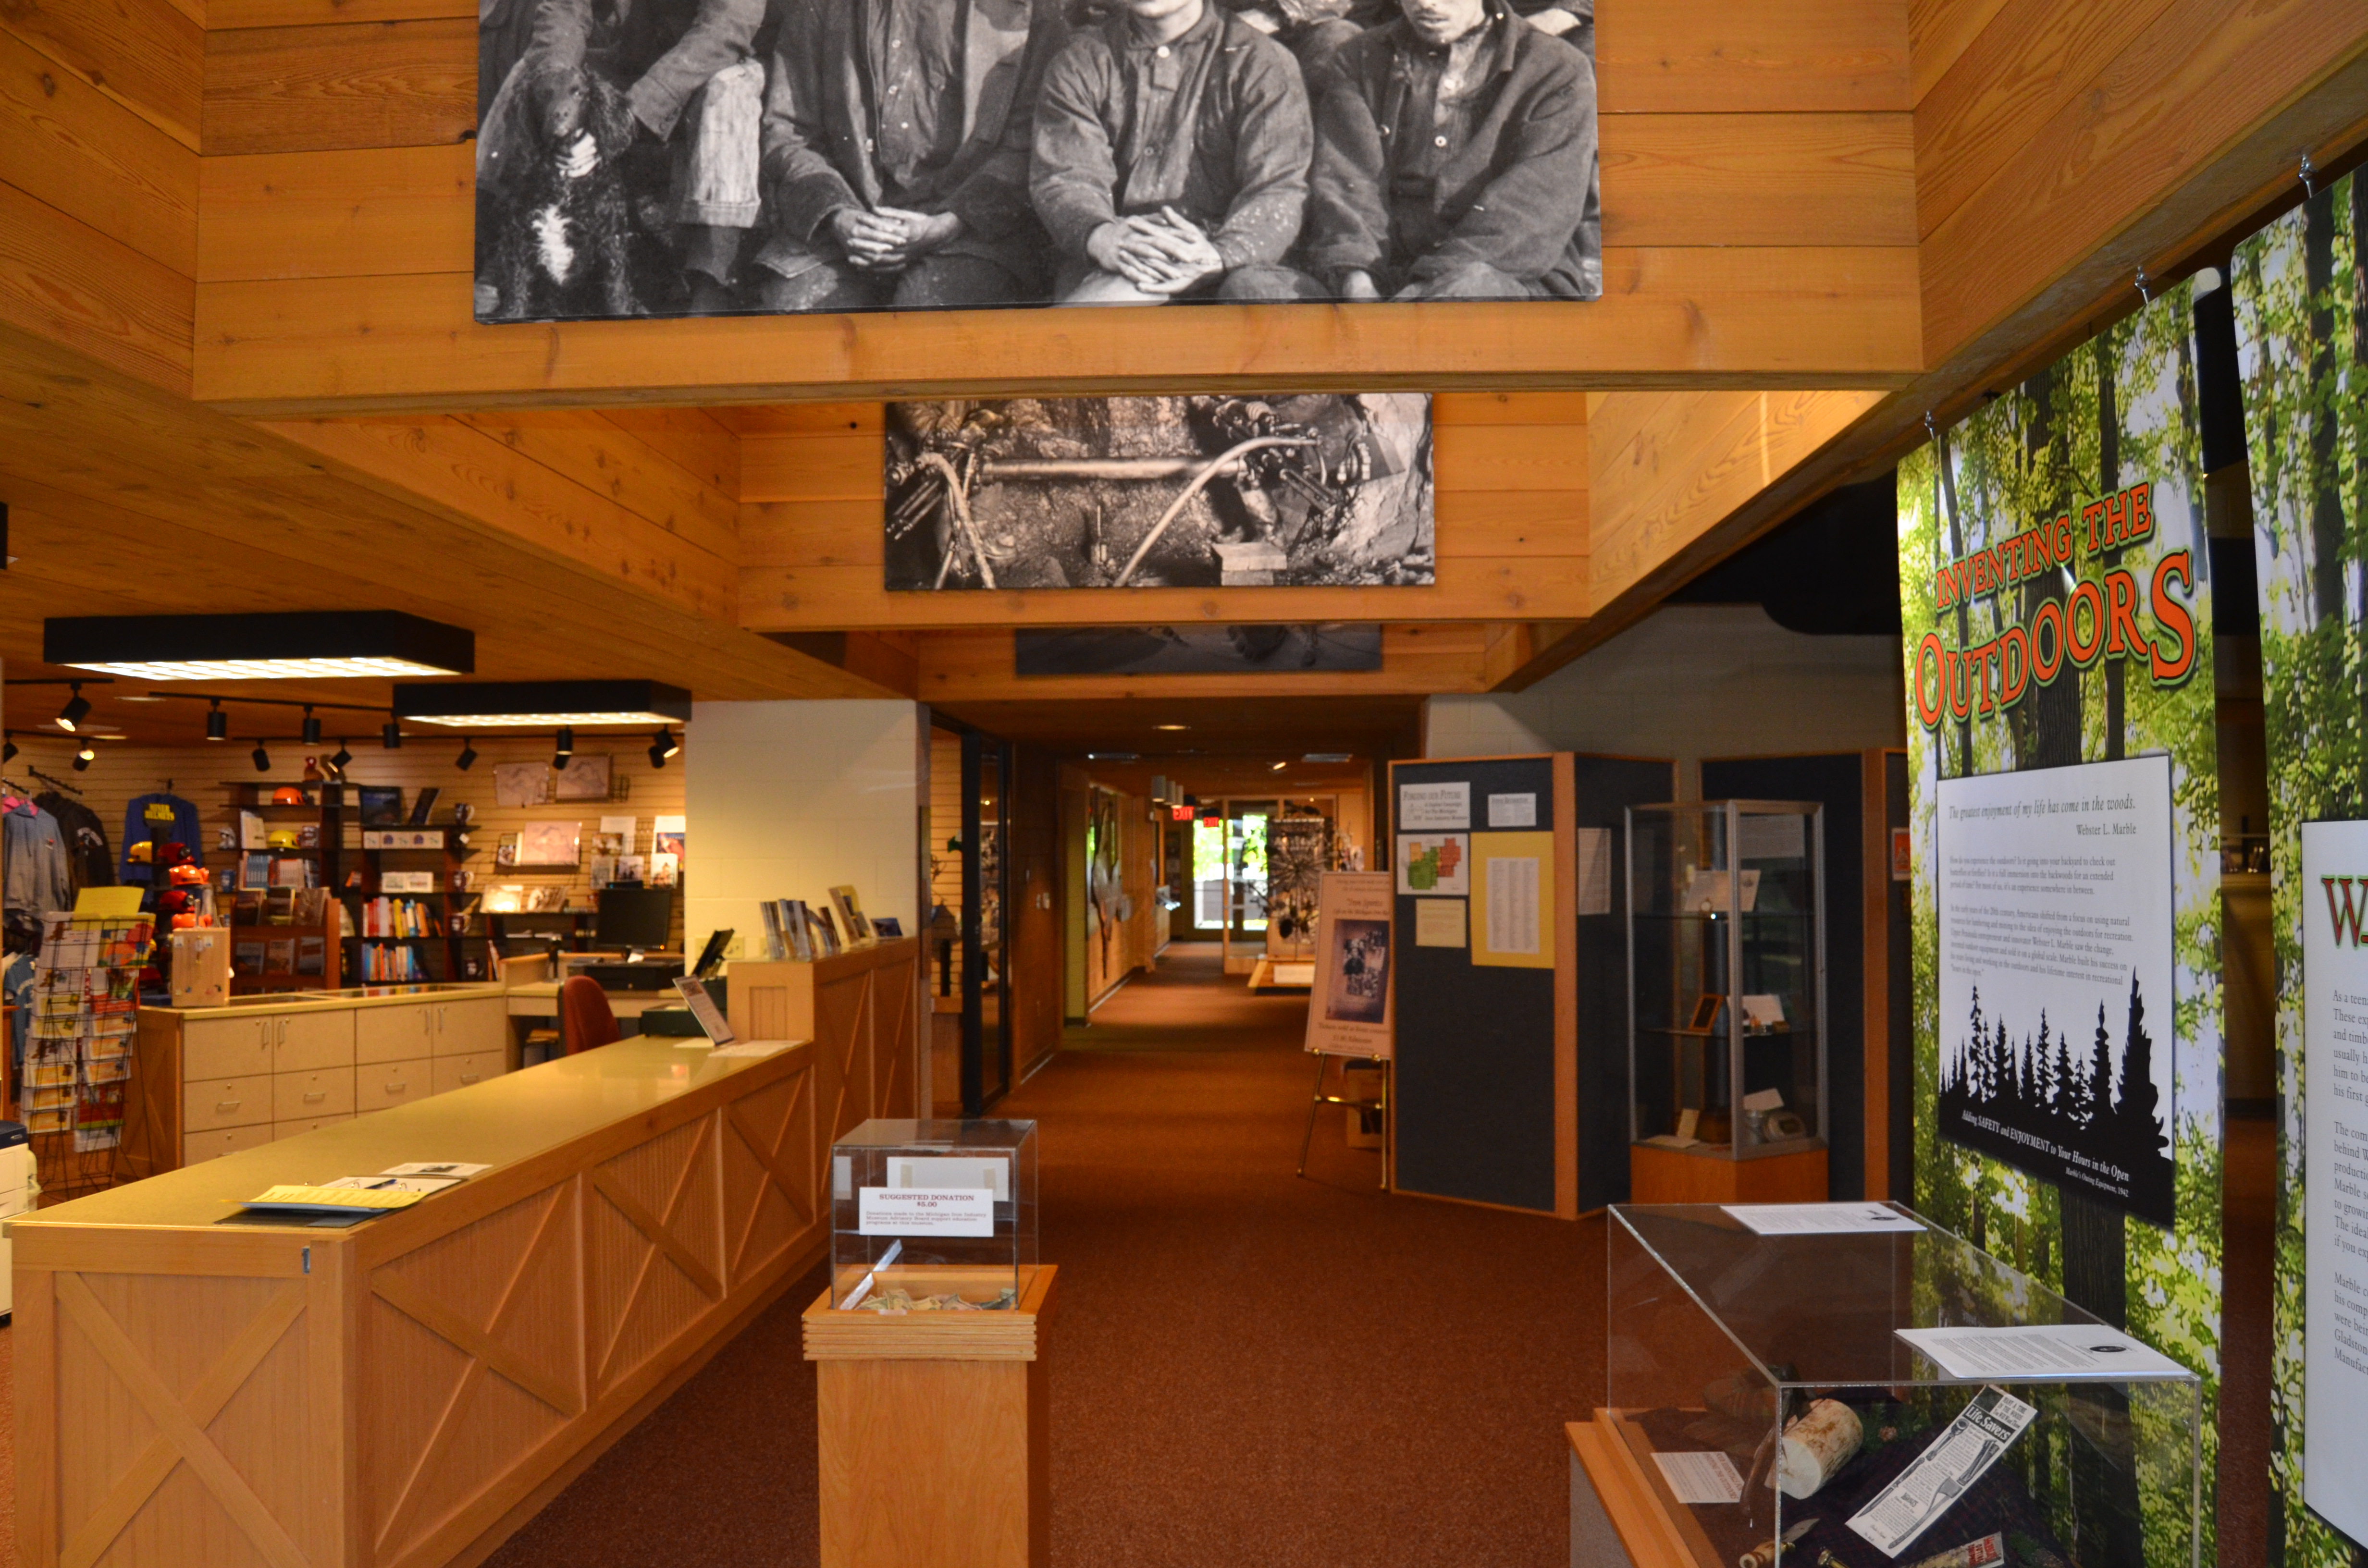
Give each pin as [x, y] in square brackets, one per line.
[2065, 838]
[706, 157]
[1349, 1014]
[2299, 296]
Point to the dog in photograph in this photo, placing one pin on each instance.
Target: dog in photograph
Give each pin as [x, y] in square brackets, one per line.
[566, 243]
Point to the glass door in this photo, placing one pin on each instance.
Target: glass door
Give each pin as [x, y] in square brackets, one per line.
[1244, 825]
[985, 976]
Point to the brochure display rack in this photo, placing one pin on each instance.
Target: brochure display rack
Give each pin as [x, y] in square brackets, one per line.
[1726, 987]
[78, 1051]
[930, 1391]
[1856, 1386]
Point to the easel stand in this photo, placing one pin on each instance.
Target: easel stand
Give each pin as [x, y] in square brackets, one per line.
[935, 1446]
[1318, 1099]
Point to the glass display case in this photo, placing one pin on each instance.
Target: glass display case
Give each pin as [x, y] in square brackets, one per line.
[1881, 1395]
[1727, 979]
[933, 1216]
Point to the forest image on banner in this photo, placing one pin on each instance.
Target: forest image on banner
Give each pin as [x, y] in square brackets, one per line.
[2056, 624]
[2300, 290]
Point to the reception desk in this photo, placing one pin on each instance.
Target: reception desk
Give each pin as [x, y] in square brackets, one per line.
[405, 1392]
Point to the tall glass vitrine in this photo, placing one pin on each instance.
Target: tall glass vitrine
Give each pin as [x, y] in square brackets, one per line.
[1727, 978]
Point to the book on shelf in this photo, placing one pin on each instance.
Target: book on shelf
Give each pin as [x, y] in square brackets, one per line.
[312, 955]
[280, 956]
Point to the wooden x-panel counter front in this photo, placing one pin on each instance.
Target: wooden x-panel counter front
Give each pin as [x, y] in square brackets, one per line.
[406, 1393]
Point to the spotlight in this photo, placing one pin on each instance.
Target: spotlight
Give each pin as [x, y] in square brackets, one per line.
[84, 758]
[76, 709]
[312, 727]
[262, 758]
[566, 747]
[467, 758]
[343, 755]
[7, 748]
[663, 746]
[389, 735]
[217, 722]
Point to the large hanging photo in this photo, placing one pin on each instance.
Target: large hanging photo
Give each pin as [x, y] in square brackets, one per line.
[695, 158]
[1324, 490]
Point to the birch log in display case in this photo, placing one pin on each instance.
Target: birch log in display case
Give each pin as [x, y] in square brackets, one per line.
[1862, 1388]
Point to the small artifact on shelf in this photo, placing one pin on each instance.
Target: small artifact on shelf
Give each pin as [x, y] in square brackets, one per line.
[1768, 1553]
[895, 1302]
[1826, 1438]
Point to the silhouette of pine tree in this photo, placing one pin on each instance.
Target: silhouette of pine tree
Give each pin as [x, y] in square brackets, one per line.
[2097, 1107]
[2066, 1096]
[2027, 1095]
[2139, 1113]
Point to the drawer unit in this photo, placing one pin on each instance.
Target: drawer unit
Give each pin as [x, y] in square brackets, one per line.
[379, 1084]
[393, 1033]
[306, 1042]
[226, 1048]
[460, 1072]
[464, 1028]
[301, 1096]
[290, 1128]
[211, 1104]
[195, 1146]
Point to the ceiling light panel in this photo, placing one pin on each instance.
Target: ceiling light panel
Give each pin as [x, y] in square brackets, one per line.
[536, 721]
[320, 644]
[542, 705]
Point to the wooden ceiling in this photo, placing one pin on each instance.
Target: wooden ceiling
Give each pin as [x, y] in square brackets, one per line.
[238, 371]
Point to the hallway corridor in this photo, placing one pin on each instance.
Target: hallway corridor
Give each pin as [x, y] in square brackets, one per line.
[1247, 1368]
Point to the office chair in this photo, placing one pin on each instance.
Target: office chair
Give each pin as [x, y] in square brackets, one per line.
[585, 1019]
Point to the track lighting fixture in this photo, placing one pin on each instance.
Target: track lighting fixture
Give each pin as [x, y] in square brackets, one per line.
[566, 747]
[663, 746]
[343, 755]
[84, 756]
[389, 735]
[467, 758]
[262, 758]
[76, 709]
[312, 727]
[7, 747]
[217, 722]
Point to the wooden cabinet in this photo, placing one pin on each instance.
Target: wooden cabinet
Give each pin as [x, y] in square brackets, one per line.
[393, 1034]
[379, 1084]
[206, 1083]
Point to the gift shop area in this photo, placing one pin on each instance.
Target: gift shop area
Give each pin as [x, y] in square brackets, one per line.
[1055, 783]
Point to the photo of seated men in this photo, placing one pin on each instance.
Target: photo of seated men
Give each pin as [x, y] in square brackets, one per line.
[671, 157]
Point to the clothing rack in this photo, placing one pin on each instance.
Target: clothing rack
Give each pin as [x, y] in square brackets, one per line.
[70, 789]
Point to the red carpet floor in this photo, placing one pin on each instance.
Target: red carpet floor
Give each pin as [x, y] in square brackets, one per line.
[1247, 1368]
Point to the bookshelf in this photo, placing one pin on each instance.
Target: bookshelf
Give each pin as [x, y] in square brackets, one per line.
[402, 913]
[283, 922]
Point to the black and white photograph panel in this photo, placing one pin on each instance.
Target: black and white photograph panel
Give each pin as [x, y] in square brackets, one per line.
[640, 158]
[1322, 490]
[1196, 650]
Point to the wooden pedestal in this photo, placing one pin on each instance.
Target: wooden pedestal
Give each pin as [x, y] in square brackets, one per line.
[934, 1440]
[1679, 1176]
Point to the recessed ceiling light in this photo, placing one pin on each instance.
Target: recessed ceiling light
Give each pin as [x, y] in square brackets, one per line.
[1278, 768]
[140, 697]
[1171, 726]
[296, 644]
[544, 704]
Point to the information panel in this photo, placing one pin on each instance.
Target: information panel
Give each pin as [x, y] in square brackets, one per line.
[2054, 891]
[2335, 1172]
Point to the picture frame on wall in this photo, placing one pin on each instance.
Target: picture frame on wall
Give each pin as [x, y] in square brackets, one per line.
[764, 187]
[584, 779]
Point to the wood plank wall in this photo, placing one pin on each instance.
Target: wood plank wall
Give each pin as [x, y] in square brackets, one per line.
[198, 775]
[98, 179]
[1759, 200]
[2048, 131]
[1512, 528]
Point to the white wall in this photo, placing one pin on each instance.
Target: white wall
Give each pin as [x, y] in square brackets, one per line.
[1689, 682]
[788, 800]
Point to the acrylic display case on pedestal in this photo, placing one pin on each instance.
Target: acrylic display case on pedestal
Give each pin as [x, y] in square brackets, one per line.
[1726, 998]
[933, 1216]
[1768, 1389]
[931, 1404]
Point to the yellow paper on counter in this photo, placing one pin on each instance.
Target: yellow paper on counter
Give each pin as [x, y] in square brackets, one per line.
[109, 903]
[335, 1198]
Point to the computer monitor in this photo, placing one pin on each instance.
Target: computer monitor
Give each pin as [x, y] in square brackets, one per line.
[634, 919]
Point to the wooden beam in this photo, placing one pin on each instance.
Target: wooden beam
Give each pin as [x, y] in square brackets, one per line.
[143, 54]
[63, 142]
[63, 282]
[1688, 316]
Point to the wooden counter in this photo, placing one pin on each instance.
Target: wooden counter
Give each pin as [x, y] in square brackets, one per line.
[406, 1393]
